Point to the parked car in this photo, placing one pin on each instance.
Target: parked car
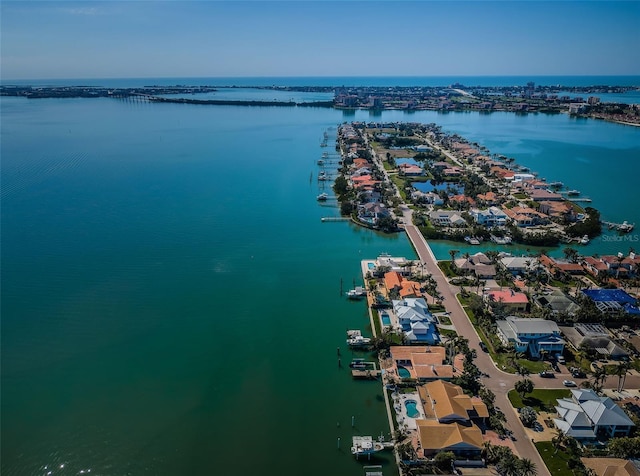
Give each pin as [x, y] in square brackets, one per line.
[561, 359]
[555, 367]
[569, 383]
[577, 373]
[483, 346]
[546, 374]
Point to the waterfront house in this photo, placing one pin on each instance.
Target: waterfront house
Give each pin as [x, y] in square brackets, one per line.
[519, 265]
[612, 466]
[490, 217]
[447, 218]
[448, 403]
[396, 283]
[371, 213]
[530, 335]
[415, 320]
[588, 417]
[512, 301]
[420, 362]
[525, 216]
[429, 198]
[410, 170]
[594, 266]
[451, 420]
[463, 441]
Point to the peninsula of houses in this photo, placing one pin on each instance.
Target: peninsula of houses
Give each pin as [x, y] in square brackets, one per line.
[513, 365]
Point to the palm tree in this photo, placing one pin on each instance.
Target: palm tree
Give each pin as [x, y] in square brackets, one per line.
[599, 377]
[453, 254]
[526, 467]
[558, 440]
[621, 372]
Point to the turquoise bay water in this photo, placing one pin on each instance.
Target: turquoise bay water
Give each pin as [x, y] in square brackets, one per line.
[170, 297]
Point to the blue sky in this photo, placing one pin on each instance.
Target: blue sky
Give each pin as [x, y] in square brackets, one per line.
[91, 39]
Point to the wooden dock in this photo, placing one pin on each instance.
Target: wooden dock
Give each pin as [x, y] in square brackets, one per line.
[335, 219]
[370, 374]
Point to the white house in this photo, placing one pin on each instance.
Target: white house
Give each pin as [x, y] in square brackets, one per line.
[530, 335]
[492, 216]
[586, 416]
[447, 218]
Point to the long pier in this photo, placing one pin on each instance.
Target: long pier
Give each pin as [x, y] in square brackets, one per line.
[335, 219]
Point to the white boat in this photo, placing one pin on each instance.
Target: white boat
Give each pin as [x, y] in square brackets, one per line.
[584, 240]
[556, 184]
[625, 227]
[322, 197]
[320, 162]
[472, 240]
[359, 341]
[356, 293]
[504, 240]
[573, 193]
[365, 445]
[323, 176]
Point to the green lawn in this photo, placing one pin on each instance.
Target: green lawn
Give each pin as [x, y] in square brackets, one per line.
[556, 463]
[540, 399]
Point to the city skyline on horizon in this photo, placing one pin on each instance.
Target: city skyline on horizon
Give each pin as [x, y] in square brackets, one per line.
[102, 40]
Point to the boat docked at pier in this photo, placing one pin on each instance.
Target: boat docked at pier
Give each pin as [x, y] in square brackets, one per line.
[501, 240]
[573, 193]
[322, 197]
[356, 339]
[366, 445]
[356, 293]
[584, 240]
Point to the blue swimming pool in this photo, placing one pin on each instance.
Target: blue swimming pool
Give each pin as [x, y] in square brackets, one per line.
[412, 408]
[371, 265]
[386, 320]
[403, 372]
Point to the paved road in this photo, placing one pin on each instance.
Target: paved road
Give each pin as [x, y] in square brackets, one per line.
[499, 382]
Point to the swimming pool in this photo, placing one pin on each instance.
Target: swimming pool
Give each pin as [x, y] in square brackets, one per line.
[403, 372]
[371, 265]
[386, 320]
[412, 408]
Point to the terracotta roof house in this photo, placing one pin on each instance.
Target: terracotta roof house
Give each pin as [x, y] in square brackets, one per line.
[530, 335]
[421, 362]
[595, 266]
[488, 198]
[587, 417]
[410, 170]
[463, 441]
[611, 466]
[511, 300]
[452, 428]
[449, 403]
